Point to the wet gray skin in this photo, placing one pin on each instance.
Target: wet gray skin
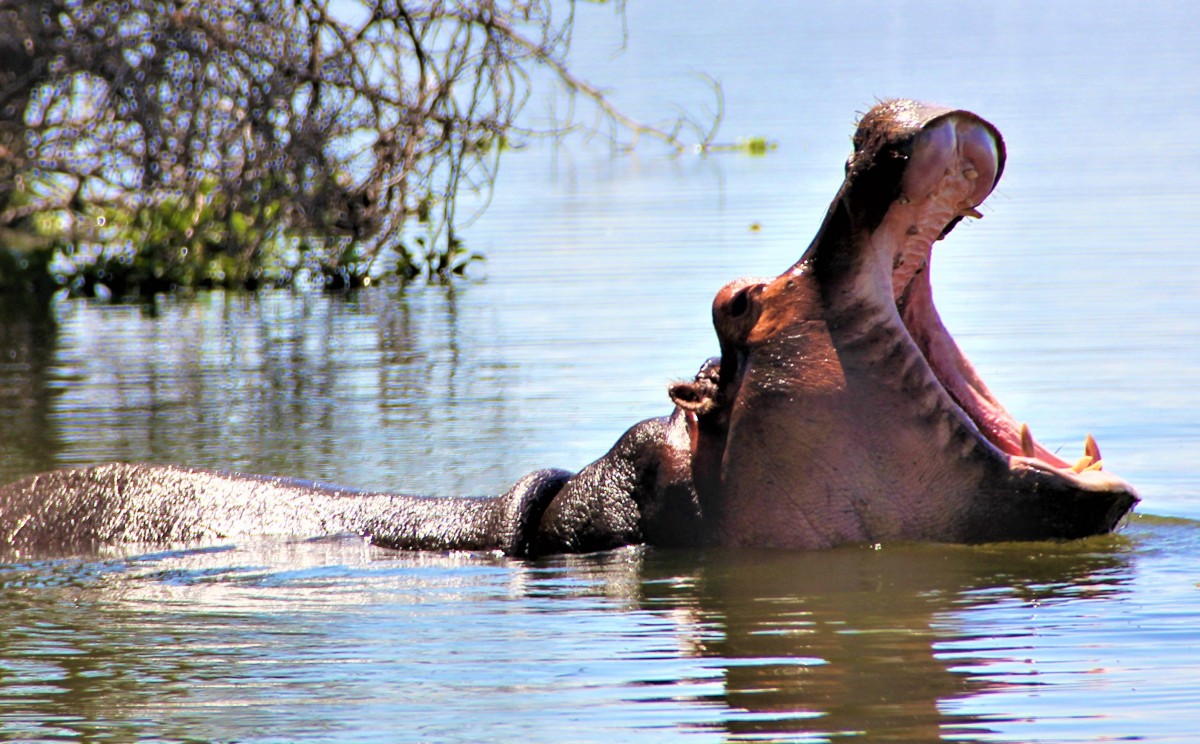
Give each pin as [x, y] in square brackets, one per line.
[840, 410]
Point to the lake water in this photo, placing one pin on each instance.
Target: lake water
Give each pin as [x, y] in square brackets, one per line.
[1076, 297]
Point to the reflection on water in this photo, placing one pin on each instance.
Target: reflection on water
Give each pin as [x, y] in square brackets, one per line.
[839, 643]
[28, 343]
[270, 383]
[337, 639]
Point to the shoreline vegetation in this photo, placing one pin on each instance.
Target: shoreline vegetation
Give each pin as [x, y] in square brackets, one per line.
[149, 146]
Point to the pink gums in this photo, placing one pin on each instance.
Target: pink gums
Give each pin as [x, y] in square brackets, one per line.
[957, 375]
[952, 169]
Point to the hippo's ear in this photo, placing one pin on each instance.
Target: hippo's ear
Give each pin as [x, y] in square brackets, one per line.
[698, 396]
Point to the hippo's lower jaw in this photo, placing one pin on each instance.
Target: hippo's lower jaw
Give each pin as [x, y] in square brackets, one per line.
[844, 410]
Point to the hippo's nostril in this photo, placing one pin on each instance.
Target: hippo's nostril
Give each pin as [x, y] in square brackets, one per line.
[739, 304]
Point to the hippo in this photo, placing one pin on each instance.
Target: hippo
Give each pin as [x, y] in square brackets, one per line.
[839, 410]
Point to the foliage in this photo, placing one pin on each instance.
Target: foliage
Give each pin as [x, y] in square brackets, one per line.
[153, 144]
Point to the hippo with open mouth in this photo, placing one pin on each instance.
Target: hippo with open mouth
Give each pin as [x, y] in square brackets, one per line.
[840, 410]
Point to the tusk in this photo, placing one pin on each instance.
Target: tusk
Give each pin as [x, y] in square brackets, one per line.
[1027, 442]
[1090, 448]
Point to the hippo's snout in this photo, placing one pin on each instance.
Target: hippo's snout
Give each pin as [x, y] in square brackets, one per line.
[852, 413]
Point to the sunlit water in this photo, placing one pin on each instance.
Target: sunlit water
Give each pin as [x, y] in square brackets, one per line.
[1076, 297]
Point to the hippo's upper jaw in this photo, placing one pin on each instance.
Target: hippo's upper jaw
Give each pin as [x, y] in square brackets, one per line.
[844, 411]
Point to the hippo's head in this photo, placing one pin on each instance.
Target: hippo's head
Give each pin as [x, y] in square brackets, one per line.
[841, 409]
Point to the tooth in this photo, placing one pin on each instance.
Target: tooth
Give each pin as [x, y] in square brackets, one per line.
[1090, 448]
[972, 212]
[1097, 465]
[1081, 464]
[1026, 441]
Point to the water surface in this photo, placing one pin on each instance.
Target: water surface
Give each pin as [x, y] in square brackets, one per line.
[1075, 297]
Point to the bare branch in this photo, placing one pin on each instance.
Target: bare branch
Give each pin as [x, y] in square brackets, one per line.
[241, 141]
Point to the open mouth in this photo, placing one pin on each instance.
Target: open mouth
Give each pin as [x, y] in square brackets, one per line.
[955, 162]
